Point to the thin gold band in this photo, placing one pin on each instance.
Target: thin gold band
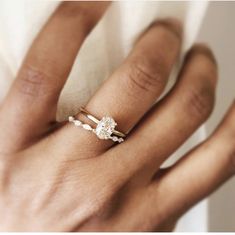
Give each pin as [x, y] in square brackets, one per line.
[96, 120]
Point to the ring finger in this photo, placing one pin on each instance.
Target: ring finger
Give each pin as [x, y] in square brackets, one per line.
[140, 80]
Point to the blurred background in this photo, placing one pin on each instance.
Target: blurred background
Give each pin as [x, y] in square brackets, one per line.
[218, 31]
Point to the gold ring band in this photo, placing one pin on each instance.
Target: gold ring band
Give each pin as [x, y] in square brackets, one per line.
[96, 121]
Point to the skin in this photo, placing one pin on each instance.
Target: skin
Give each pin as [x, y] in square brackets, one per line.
[55, 177]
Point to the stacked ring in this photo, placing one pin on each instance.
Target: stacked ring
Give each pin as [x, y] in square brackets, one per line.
[105, 127]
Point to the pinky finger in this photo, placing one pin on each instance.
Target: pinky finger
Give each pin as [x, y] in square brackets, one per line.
[201, 171]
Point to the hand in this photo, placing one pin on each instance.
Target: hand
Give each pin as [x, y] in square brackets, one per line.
[56, 177]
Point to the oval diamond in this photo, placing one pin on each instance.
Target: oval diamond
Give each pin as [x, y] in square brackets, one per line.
[105, 128]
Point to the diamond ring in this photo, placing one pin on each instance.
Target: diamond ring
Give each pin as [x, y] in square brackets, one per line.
[105, 128]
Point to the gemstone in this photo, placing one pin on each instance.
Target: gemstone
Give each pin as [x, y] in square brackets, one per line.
[87, 127]
[71, 118]
[77, 123]
[105, 128]
[115, 138]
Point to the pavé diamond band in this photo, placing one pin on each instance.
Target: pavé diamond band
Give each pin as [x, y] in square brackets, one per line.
[105, 128]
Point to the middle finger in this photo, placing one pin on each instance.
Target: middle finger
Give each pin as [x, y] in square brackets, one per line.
[173, 120]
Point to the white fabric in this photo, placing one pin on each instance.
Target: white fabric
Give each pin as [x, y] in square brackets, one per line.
[102, 52]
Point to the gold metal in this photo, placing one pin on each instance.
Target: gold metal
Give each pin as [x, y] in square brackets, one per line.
[96, 120]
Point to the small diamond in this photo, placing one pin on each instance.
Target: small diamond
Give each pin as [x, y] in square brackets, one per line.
[105, 128]
[71, 118]
[115, 138]
[87, 127]
[77, 123]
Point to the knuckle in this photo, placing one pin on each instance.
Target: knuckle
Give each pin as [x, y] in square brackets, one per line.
[200, 102]
[144, 76]
[33, 82]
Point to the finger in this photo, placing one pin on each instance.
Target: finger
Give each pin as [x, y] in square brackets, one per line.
[202, 170]
[135, 86]
[32, 100]
[174, 119]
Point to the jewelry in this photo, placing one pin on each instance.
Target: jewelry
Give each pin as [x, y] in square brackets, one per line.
[103, 122]
[103, 130]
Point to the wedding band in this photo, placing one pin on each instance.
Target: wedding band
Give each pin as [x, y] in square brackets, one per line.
[103, 121]
[105, 128]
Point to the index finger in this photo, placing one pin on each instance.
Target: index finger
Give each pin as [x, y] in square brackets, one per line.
[32, 101]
